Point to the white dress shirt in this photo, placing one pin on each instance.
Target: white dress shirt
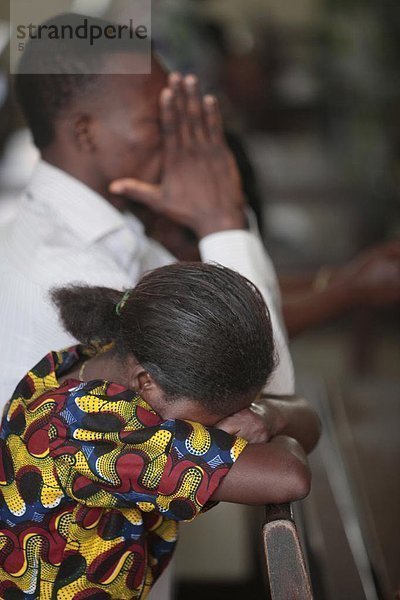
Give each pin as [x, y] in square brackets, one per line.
[66, 233]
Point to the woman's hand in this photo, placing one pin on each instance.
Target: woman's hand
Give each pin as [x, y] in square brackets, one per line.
[269, 417]
[201, 186]
[248, 425]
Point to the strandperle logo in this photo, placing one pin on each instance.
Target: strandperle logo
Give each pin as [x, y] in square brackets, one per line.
[84, 31]
[48, 37]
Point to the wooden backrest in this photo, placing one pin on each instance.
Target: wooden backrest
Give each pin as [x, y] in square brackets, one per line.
[286, 569]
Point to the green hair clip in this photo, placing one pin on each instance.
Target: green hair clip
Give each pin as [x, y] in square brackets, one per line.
[122, 302]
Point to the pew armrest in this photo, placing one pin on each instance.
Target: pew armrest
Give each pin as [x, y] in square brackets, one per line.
[286, 568]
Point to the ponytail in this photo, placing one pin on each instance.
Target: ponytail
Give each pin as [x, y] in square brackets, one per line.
[89, 313]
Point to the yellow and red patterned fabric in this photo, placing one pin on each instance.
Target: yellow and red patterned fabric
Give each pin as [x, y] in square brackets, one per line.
[92, 484]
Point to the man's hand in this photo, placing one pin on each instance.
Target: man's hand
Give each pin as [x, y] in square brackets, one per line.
[373, 278]
[201, 186]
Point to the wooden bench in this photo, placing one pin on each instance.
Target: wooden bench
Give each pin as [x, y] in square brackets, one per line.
[286, 568]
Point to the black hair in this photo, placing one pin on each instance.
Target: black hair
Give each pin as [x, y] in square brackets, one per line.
[52, 75]
[201, 331]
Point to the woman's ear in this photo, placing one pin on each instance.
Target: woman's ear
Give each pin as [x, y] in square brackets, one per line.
[145, 383]
[137, 376]
[140, 381]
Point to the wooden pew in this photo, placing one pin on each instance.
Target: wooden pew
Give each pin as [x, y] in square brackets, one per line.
[286, 568]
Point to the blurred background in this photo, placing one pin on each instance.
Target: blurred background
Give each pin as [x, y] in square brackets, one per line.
[310, 91]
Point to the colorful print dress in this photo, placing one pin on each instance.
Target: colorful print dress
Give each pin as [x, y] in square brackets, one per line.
[92, 484]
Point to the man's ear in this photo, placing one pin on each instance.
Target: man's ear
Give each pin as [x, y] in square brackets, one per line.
[83, 132]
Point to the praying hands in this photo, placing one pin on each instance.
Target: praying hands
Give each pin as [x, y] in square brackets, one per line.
[201, 187]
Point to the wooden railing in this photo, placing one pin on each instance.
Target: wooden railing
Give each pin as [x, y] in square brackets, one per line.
[286, 567]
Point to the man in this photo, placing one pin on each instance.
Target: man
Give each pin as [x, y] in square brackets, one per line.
[92, 130]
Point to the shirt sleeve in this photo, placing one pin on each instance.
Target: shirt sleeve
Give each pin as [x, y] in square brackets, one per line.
[244, 252]
[172, 467]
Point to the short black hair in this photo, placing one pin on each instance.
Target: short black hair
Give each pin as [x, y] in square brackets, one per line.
[201, 331]
[47, 82]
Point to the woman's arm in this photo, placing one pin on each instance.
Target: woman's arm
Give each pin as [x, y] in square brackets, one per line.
[272, 473]
[292, 416]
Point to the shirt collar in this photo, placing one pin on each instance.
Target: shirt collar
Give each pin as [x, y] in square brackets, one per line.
[81, 208]
[45, 376]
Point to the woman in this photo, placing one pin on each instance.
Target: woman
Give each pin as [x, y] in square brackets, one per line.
[107, 445]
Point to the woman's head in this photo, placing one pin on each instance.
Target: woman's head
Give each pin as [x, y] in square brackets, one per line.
[202, 332]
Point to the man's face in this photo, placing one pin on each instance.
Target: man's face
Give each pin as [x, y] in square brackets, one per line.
[126, 125]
